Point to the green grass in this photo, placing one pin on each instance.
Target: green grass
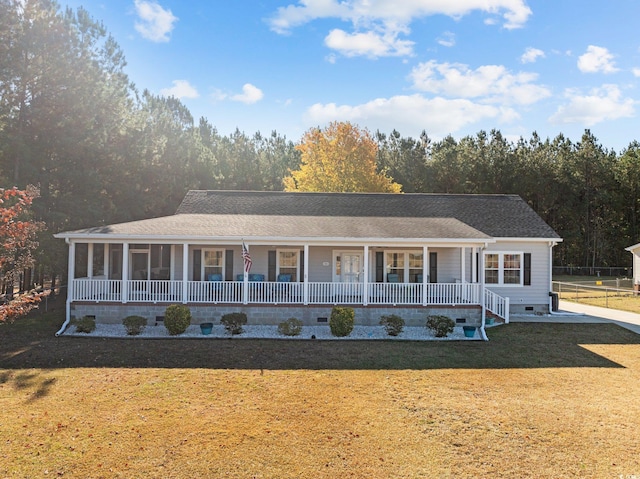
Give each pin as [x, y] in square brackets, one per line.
[537, 400]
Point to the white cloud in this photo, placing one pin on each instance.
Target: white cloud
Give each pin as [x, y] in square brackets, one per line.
[597, 59]
[181, 89]
[601, 104]
[439, 116]
[377, 24]
[447, 39]
[531, 55]
[250, 94]
[490, 83]
[155, 23]
[636, 72]
[369, 44]
[218, 95]
[514, 12]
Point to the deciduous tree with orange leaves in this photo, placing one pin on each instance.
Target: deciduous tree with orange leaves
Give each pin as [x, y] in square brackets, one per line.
[340, 158]
[17, 243]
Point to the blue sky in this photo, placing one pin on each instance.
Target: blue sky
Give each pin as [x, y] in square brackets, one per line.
[445, 66]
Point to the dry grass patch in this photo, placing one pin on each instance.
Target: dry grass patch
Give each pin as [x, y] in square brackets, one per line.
[535, 401]
[623, 303]
[600, 292]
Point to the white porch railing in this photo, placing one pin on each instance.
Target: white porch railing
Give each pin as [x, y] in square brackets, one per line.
[155, 291]
[230, 292]
[96, 290]
[496, 304]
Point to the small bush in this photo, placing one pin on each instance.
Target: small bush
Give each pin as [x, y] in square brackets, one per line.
[393, 324]
[134, 324]
[233, 322]
[84, 324]
[342, 321]
[177, 319]
[290, 327]
[440, 325]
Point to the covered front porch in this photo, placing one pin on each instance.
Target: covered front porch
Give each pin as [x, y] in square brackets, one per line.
[434, 274]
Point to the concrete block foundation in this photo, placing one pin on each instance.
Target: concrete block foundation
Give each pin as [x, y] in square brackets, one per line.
[310, 315]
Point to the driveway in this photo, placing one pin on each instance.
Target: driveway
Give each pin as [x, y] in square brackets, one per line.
[581, 313]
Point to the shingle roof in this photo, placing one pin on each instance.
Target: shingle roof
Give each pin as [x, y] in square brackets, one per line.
[250, 214]
[506, 216]
[272, 226]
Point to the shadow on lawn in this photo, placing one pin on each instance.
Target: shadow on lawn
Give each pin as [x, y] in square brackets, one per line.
[30, 343]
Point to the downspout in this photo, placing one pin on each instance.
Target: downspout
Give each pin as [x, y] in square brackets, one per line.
[483, 333]
[552, 244]
[71, 264]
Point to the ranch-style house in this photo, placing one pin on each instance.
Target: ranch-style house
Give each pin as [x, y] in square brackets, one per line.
[276, 255]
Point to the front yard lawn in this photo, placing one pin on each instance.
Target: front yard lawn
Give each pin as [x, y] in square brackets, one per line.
[537, 400]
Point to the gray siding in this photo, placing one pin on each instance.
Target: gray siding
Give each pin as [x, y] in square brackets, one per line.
[537, 294]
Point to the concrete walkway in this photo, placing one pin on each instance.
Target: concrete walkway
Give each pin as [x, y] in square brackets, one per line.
[581, 313]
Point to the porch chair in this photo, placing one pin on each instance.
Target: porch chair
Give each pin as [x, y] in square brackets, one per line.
[394, 292]
[281, 290]
[217, 286]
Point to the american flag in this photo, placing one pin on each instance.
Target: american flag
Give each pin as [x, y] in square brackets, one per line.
[246, 257]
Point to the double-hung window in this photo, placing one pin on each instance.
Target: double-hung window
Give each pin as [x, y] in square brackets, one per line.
[288, 263]
[404, 266]
[212, 262]
[505, 269]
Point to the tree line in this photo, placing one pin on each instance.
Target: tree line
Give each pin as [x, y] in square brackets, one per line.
[101, 151]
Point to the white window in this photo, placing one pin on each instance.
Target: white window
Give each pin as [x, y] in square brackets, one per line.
[504, 269]
[213, 264]
[288, 263]
[403, 266]
[415, 267]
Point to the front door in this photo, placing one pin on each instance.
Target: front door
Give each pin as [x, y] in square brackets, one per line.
[351, 271]
[348, 276]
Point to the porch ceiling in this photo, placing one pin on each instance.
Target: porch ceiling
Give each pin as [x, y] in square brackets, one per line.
[253, 227]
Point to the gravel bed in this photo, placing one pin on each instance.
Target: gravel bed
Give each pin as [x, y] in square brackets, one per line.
[271, 332]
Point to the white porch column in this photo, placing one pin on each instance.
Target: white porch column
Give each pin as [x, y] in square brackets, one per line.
[125, 272]
[474, 265]
[71, 272]
[90, 260]
[463, 265]
[71, 262]
[106, 249]
[425, 275]
[365, 280]
[185, 272]
[481, 275]
[305, 284]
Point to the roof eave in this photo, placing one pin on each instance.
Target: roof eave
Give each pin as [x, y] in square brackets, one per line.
[101, 237]
[529, 239]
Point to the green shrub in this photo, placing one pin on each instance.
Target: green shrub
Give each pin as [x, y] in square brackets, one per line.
[440, 325]
[290, 327]
[134, 324]
[393, 324]
[342, 321]
[177, 319]
[233, 322]
[84, 324]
